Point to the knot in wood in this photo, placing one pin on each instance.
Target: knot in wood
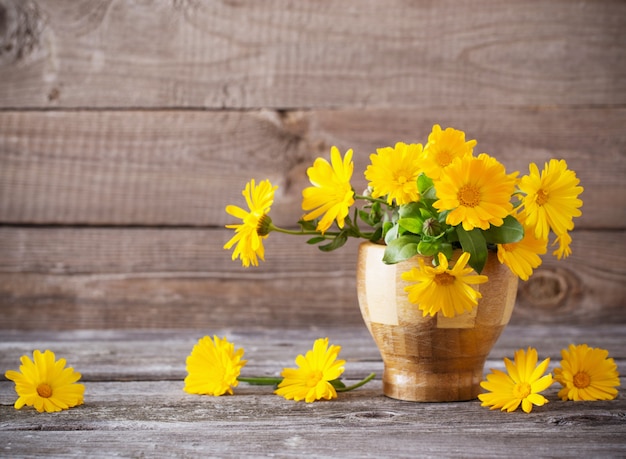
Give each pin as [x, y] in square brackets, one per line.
[546, 289]
[21, 25]
[550, 295]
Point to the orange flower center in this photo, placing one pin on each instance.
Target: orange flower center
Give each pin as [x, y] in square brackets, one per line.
[521, 390]
[314, 378]
[444, 158]
[44, 390]
[582, 380]
[542, 197]
[468, 196]
[444, 279]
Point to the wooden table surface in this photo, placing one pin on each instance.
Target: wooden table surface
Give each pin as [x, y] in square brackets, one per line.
[135, 406]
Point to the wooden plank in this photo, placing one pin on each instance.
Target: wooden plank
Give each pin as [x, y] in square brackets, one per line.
[182, 168]
[65, 278]
[120, 419]
[168, 251]
[68, 53]
[355, 438]
[32, 301]
[171, 168]
[125, 414]
[159, 354]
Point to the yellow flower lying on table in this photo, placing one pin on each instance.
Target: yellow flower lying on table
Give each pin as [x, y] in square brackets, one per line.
[46, 384]
[587, 373]
[426, 200]
[521, 385]
[312, 379]
[214, 367]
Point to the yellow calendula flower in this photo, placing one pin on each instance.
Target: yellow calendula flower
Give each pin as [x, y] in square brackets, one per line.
[393, 173]
[442, 148]
[521, 385]
[476, 191]
[249, 242]
[311, 380]
[46, 384]
[439, 289]
[331, 194]
[523, 256]
[551, 201]
[587, 373]
[213, 367]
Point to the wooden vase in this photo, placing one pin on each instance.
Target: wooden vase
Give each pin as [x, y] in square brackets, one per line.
[431, 359]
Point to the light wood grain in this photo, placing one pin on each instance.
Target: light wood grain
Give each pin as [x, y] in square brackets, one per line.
[163, 168]
[106, 357]
[127, 127]
[97, 278]
[68, 53]
[135, 405]
[183, 168]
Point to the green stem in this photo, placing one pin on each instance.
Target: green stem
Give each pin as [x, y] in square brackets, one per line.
[261, 380]
[272, 381]
[327, 235]
[370, 199]
[359, 384]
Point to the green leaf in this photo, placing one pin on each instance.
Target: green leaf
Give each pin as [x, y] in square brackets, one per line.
[510, 231]
[372, 217]
[401, 249]
[446, 249]
[426, 188]
[337, 384]
[414, 225]
[424, 183]
[451, 235]
[316, 240]
[429, 197]
[428, 248]
[386, 227]
[411, 209]
[473, 242]
[391, 234]
[337, 242]
[365, 216]
[443, 216]
[425, 213]
[308, 225]
[377, 234]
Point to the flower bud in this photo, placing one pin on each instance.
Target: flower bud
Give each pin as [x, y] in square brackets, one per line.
[431, 227]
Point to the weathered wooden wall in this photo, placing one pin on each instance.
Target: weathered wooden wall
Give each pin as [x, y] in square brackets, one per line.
[127, 126]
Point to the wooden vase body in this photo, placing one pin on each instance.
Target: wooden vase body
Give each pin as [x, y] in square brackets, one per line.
[431, 359]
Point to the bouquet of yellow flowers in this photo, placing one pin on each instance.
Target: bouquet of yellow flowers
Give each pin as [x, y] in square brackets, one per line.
[425, 200]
